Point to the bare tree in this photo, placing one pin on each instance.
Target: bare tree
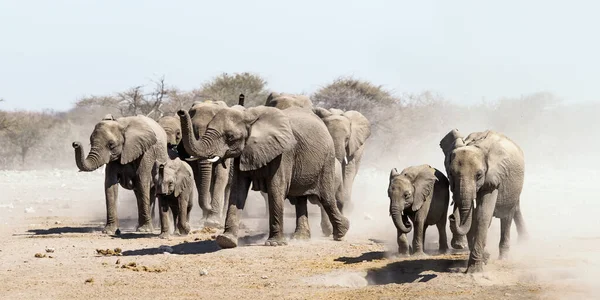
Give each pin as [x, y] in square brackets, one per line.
[29, 129]
[227, 88]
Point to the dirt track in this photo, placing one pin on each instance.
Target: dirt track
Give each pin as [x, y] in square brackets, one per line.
[65, 211]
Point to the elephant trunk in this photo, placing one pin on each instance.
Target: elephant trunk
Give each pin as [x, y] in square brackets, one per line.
[204, 195]
[461, 218]
[191, 144]
[90, 163]
[400, 220]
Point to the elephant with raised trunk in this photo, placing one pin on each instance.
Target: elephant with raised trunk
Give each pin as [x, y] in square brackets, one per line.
[285, 153]
[486, 172]
[130, 148]
[419, 193]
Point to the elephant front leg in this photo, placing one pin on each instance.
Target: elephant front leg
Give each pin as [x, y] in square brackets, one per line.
[302, 231]
[418, 237]
[111, 193]
[220, 179]
[237, 200]
[163, 213]
[276, 199]
[142, 193]
[183, 219]
[483, 215]
[443, 237]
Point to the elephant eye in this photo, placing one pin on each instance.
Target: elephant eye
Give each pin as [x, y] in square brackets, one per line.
[479, 175]
[112, 145]
[407, 195]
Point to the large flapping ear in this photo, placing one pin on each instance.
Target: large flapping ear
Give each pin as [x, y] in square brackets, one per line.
[184, 178]
[393, 173]
[321, 112]
[451, 141]
[423, 180]
[499, 153]
[270, 135]
[138, 138]
[360, 130]
[476, 136]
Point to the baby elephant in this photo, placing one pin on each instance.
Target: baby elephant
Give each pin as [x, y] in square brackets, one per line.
[175, 190]
[421, 194]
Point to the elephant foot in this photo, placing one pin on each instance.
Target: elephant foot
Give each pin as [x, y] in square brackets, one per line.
[213, 223]
[111, 229]
[227, 240]
[443, 250]
[164, 235]
[459, 243]
[402, 253]
[419, 254]
[503, 254]
[276, 241]
[474, 268]
[341, 230]
[145, 228]
[302, 234]
[326, 229]
[184, 229]
[486, 257]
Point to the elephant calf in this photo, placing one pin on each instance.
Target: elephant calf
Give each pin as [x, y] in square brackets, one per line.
[421, 194]
[175, 190]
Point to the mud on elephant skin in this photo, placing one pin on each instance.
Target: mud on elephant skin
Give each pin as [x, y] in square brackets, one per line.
[486, 174]
[175, 190]
[266, 144]
[421, 194]
[212, 179]
[130, 148]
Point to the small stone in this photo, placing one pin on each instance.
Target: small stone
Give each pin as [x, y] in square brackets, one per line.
[57, 222]
[89, 280]
[203, 272]
[264, 277]
[29, 210]
[49, 250]
[39, 255]
[118, 262]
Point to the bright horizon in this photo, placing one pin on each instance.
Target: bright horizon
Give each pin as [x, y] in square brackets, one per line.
[55, 52]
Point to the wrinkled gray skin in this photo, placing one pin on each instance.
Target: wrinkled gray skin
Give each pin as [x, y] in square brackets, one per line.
[175, 191]
[349, 131]
[212, 179]
[419, 193]
[285, 153]
[172, 127]
[486, 172]
[130, 148]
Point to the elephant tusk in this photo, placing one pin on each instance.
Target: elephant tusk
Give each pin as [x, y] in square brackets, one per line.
[402, 213]
[345, 160]
[214, 159]
[192, 158]
[475, 203]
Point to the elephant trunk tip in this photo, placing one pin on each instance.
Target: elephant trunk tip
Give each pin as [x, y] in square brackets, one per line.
[181, 113]
[76, 145]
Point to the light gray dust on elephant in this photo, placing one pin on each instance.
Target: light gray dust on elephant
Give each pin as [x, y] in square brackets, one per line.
[175, 190]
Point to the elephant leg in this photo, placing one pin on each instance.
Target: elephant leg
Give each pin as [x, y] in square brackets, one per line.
[505, 224]
[403, 247]
[520, 223]
[183, 208]
[302, 231]
[237, 200]
[443, 237]
[276, 190]
[326, 226]
[219, 183]
[142, 194]
[174, 207]
[163, 212]
[266, 197]
[111, 193]
[339, 222]
[418, 237]
[483, 215]
[348, 181]
[226, 199]
[153, 202]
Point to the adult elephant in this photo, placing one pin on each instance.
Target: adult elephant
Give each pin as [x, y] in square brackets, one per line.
[212, 178]
[285, 153]
[130, 148]
[486, 172]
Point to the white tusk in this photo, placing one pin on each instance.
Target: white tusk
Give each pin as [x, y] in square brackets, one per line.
[475, 203]
[345, 160]
[193, 158]
[402, 213]
[214, 159]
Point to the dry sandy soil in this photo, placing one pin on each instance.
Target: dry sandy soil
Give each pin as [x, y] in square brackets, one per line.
[64, 210]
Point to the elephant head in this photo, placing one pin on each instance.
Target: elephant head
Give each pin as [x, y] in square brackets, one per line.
[123, 140]
[284, 101]
[172, 127]
[256, 135]
[471, 164]
[409, 190]
[349, 131]
[174, 177]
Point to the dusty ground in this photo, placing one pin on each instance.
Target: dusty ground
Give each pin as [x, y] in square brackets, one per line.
[64, 210]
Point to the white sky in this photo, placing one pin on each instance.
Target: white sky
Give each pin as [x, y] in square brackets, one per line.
[52, 52]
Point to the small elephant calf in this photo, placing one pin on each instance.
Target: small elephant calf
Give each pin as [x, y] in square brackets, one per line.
[175, 190]
[421, 194]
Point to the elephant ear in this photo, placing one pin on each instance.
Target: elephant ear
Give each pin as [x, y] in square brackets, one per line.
[321, 112]
[360, 130]
[451, 141]
[423, 184]
[498, 155]
[336, 111]
[184, 178]
[476, 136]
[138, 138]
[270, 135]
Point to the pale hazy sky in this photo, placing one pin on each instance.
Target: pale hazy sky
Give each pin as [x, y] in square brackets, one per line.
[52, 52]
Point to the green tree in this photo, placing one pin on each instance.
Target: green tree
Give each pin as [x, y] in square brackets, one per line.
[226, 87]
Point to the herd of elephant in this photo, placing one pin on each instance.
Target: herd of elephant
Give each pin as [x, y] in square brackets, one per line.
[290, 149]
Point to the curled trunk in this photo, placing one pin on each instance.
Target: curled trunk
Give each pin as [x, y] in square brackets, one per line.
[456, 226]
[400, 221]
[191, 144]
[90, 163]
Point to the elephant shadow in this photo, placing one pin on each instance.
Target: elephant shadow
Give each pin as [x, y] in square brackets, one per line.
[200, 247]
[409, 271]
[64, 230]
